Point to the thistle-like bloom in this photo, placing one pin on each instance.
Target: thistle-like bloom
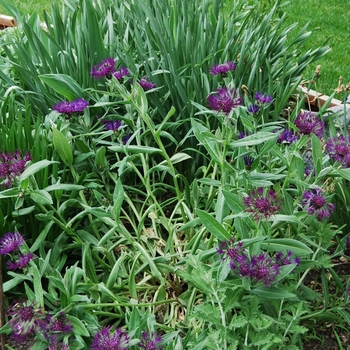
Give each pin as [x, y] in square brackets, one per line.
[105, 340]
[287, 136]
[104, 69]
[253, 108]
[338, 149]
[262, 99]
[248, 161]
[121, 73]
[308, 122]
[222, 68]
[315, 202]
[234, 253]
[224, 100]
[25, 321]
[21, 262]
[113, 125]
[260, 268]
[283, 260]
[261, 205]
[58, 324]
[11, 166]
[75, 106]
[146, 84]
[150, 341]
[10, 242]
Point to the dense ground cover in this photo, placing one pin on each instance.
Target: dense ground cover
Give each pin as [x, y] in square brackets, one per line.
[157, 193]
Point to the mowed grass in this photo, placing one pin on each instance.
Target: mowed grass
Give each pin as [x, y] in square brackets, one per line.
[328, 21]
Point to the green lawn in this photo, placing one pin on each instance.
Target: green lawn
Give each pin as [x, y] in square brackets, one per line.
[328, 21]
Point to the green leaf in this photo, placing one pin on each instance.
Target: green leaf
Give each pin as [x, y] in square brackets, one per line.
[255, 139]
[62, 147]
[284, 244]
[78, 326]
[64, 187]
[134, 149]
[41, 197]
[212, 225]
[272, 293]
[63, 84]
[34, 168]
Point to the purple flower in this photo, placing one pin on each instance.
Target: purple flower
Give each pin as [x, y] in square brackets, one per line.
[224, 100]
[248, 161]
[21, 262]
[222, 68]
[150, 341]
[307, 123]
[235, 253]
[11, 166]
[283, 260]
[338, 149]
[113, 125]
[308, 170]
[314, 202]
[58, 324]
[261, 205]
[146, 84]
[287, 136]
[10, 242]
[105, 340]
[347, 246]
[260, 268]
[104, 69]
[121, 73]
[69, 108]
[262, 99]
[25, 321]
[125, 139]
[253, 108]
[242, 134]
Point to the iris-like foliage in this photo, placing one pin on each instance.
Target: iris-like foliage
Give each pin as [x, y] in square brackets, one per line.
[69, 108]
[104, 339]
[150, 341]
[222, 69]
[11, 166]
[261, 205]
[224, 100]
[308, 122]
[338, 149]
[315, 202]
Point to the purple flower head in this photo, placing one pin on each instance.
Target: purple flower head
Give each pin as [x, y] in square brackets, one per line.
[283, 260]
[11, 166]
[150, 341]
[113, 125]
[287, 136]
[253, 108]
[121, 73]
[104, 69]
[125, 139]
[21, 262]
[105, 340]
[242, 135]
[338, 149]
[229, 250]
[146, 84]
[248, 161]
[347, 246]
[59, 324]
[262, 99]
[222, 68]
[308, 122]
[261, 205]
[260, 268]
[315, 202]
[10, 242]
[25, 321]
[224, 100]
[308, 170]
[75, 106]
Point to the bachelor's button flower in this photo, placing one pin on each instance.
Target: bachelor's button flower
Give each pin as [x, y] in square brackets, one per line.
[242, 134]
[11, 166]
[75, 106]
[287, 136]
[104, 69]
[338, 149]
[224, 100]
[235, 253]
[21, 262]
[150, 341]
[261, 205]
[314, 202]
[121, 73]
[146, 84]
[125, 139]
[262, 99]
[248, 161]
[253, 108]
[105, 340]
[113, 125]
[222, 68]
[10, 242]
[308, 122]
[283, 260]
